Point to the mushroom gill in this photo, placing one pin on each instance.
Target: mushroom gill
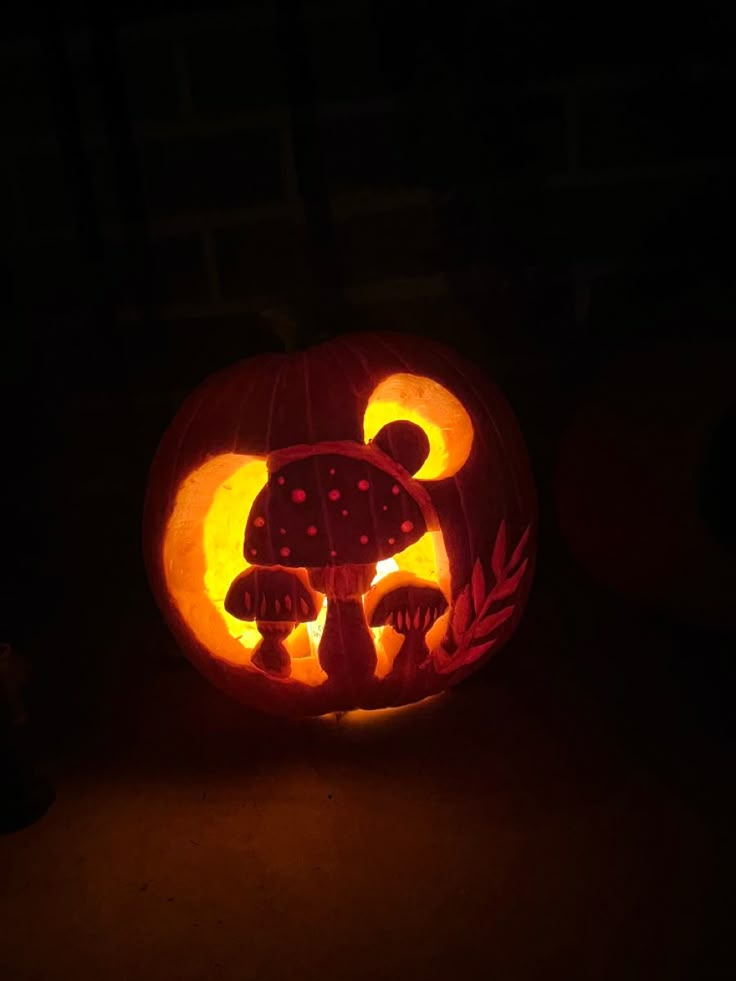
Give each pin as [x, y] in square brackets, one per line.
[410, 608]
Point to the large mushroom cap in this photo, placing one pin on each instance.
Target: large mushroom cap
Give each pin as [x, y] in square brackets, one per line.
[270, 595]
[330, 509]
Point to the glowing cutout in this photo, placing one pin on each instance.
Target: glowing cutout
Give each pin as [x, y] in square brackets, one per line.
[203, 553]
[428, 404]
[426, 559]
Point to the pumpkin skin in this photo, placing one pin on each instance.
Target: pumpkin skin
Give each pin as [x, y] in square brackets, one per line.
[352, 526]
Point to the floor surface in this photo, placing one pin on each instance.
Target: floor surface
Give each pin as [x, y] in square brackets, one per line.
[542, 821]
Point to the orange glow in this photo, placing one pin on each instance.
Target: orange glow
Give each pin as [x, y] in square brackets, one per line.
[360, 717]
[427, 404]
[383, 569]
[203, 553]
[426, 559]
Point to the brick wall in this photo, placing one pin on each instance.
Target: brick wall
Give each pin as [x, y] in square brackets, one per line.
[491, 181]
[537, 187]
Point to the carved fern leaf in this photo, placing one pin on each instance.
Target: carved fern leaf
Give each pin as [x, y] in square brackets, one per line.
[472, 622]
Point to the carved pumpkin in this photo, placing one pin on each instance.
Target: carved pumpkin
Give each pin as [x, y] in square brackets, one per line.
[350, 526]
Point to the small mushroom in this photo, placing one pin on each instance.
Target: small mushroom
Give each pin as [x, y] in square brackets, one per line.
[277, 600]
[410, 608]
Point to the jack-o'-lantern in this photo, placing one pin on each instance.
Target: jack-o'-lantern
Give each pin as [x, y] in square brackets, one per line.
[347, 527]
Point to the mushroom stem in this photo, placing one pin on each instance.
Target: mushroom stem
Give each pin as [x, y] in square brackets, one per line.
[413, 652]
[346, 650]
[271, 656]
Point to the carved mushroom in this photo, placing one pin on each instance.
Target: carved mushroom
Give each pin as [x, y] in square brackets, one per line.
[337, 514]
[410, 608]
[277, 600]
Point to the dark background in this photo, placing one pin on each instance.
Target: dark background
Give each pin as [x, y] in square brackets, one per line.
[547, 188]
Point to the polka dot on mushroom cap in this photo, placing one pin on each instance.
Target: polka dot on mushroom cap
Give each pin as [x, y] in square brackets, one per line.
[329, 509]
